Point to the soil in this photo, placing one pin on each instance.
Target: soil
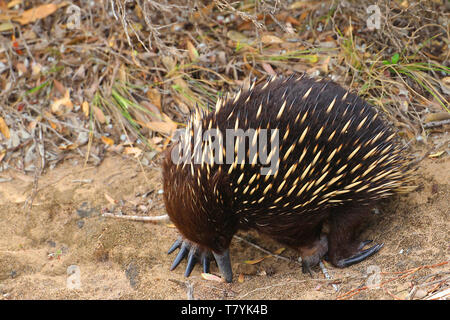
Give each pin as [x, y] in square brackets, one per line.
[64, 230]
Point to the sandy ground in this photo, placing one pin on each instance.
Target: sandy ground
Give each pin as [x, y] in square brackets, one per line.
[116, 259]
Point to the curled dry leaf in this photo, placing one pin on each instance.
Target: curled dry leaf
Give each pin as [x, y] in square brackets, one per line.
[238, 37]
[136, 152]
[35, 69]
[192, 51]
[63, 105]
[39, 12]
[437, 154]
[99, 115]
[6, 26]
[155, 114]
[59, 86]
[268, 68]
[254, 261]
[4, 128]
[279, 251]
[163, 127]
[107, 141]
[169, 63]
[211, 277]
[66, 147]
[270, 39]
[85, 108]
[155, 97]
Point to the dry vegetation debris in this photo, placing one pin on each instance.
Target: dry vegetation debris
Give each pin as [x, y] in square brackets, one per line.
[87, 77]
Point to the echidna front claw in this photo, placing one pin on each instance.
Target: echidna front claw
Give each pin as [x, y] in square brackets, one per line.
[180, 256]
[194, 255]
[360, 256]
[192, 252]
[224, 264]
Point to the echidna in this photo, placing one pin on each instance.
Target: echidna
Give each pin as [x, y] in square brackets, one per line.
[302, 152]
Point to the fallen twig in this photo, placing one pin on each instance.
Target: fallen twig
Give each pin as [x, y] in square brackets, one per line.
[164, 217]
[434, 124]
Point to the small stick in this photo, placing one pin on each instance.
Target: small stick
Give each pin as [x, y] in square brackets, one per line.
[391, 294]
[190, 290]
[164, 217]
[264, 250]
[82, 181]
[327, 275]
[436, 123]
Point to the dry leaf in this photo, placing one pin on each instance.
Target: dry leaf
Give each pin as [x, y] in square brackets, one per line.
[2, 154]
[4, 128]
[404, 4]
[40, 12]
[63, 105]
[299, 4]
[293, 21]
[13, 3]
[270, 39]
[238, 37]
[107, 141]
[21, 67]
[155, 97]
[169, 63]
[59, 86]
[163, 127]
[85, 108]
[211, 277]
[193, 53]
[241, 278]
[279, 251]
[65, 147]
[437, 154]
[268, 68]
[35, 68]
[255, 261]
[99, 115]
[133, 150]
[6, 26]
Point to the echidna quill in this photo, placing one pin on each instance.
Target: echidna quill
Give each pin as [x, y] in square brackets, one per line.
[282, 158]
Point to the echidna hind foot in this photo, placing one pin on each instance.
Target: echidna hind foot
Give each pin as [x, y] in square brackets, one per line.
[344, 248]
[312, 254]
